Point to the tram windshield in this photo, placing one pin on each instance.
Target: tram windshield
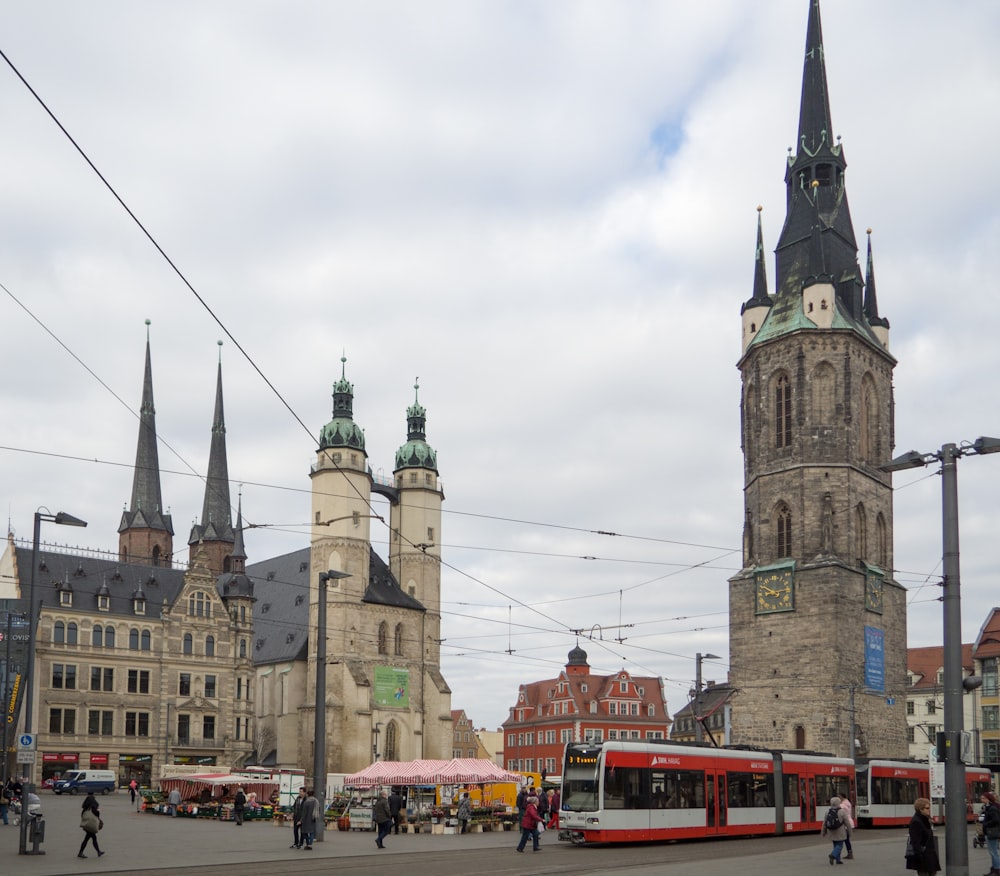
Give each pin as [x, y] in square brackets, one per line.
[580, 779]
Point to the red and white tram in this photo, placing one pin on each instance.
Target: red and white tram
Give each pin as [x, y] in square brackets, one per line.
[888, 788]
[623, 791]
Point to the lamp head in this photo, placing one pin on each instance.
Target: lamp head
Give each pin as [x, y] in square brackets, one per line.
[911, 459]
[68, 519]
[986, 445]
[333, 575]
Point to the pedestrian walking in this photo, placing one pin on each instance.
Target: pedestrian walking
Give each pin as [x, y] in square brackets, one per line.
[464, 811]
[310, 819]
[133, 791]
[991, 830]
[921, 849]
[383, 818]
[395, 807]
[845, 804]
[239, 805]
[4, 804]
[173, 801]
[554, 800]
[837, 828]
[297, 807]
[529, 825]
[90, 823]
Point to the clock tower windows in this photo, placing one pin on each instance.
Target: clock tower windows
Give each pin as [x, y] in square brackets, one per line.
[783, 531]
[861, 532]
[782, 411]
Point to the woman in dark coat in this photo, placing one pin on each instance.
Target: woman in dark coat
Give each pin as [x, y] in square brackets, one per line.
[924, 858]
[991, 830]
[90, 823]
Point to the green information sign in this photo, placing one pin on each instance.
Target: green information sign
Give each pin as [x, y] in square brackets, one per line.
[392, 687]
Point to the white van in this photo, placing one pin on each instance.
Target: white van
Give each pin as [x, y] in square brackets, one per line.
[86, 781]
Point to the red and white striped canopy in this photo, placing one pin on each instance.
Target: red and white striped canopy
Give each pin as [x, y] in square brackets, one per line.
[459, 770]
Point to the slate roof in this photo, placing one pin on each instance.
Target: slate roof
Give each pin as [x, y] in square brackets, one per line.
[281, 613]
[925, 663]
[88, 574]
[988, 640]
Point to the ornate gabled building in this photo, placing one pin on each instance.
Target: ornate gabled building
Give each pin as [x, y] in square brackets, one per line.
[817, 624]
[140, 665]
[385, 693]
[579, 706]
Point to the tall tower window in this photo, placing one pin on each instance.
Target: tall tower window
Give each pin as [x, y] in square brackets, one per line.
[881, 542]
[861, 531]
[782, 412]
[784, 531]
[390, 745]
[383, 636]
[398, 641]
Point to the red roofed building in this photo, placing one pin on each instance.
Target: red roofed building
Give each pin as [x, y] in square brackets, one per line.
[579, 706]
[925, 697]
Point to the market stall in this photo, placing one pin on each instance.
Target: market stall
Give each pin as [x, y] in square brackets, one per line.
[211, 795]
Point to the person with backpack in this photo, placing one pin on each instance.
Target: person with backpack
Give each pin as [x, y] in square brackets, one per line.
[837, 828]
[845, 804]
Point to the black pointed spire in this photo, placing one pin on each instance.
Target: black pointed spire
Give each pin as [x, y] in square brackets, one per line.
[871, 299]
[760, 297]
[145, 511]
[239, 551]
[815, 123]
[216, 514]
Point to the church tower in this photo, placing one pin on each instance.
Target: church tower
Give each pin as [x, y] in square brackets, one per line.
[817, 625]
[146, 534]
[215, 533]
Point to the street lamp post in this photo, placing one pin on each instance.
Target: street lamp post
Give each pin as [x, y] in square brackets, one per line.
[956, 848]
[319, 727]
[63, 519]
[698, 729]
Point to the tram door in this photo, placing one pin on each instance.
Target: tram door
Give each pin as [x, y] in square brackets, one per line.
[715, 802]
[807, 799]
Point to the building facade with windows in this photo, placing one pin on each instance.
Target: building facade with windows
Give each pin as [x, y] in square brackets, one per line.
[986, 654]
[712, 708]
[140, 664]
[925, 700]
[578, 706]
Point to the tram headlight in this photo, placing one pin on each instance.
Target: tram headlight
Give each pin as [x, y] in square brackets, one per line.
[593, 821]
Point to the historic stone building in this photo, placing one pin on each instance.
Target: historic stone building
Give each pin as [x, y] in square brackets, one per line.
[817, 624]
[140, 665]
[385, 694]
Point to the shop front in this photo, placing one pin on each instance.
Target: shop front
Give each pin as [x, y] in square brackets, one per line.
[55, 764]
[135, 766]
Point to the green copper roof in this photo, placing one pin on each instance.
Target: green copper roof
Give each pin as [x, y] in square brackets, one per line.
[342, 431]
[416, 452]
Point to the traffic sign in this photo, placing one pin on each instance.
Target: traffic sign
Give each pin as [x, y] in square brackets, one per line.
[26, 742]
[26, 756]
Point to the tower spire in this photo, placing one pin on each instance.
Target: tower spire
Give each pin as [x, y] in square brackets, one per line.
[216, 527]
[145, 533]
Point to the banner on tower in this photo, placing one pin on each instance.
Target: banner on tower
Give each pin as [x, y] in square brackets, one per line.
[392, 687]
[874, 659]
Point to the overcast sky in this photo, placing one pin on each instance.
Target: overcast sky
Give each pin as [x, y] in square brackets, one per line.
[547, 212]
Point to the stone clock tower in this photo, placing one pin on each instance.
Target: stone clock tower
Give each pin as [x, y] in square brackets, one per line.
[817, 624]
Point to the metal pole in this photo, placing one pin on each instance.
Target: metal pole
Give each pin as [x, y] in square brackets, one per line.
[956, 839]
[29, 680]
[6, 701]
[698, 731]
[319, 730]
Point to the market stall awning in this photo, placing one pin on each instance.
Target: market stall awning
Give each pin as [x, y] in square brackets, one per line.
[192, 786]
[473, 771]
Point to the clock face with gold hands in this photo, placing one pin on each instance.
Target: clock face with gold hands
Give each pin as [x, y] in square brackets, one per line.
[775, 591]
[873, 593]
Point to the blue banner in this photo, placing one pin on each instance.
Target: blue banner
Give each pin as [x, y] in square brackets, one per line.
[874, 659]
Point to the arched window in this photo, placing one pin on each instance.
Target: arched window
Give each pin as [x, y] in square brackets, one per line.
[866, 421]
[72, 633]
[133, 640]
[800, 737]
[782, 412]
[389, 748]
[210, 646]
[188, 643]
[109, 637]
[398, 641]
[147, 640]
[59, 633]
[156, 555]
[97, 636]
[383, 636]
[784, 531]
[824, 389]
[861, 531]
[881, 542]
[243, 648]
[749, 423]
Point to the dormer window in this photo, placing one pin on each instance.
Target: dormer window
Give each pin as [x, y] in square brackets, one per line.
[103, 603]
[139, 605]
[66, 598]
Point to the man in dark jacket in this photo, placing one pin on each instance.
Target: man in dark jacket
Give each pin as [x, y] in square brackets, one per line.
[297, 837]
[239, 804]
[395, 805]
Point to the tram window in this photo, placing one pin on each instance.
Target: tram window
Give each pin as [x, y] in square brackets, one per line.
[750, 789]
[791, 784]
[685, 789]
[826, 787]
[622, 789]
[862, 775]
